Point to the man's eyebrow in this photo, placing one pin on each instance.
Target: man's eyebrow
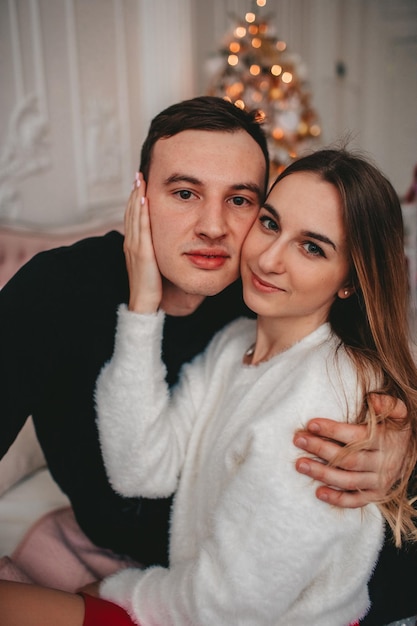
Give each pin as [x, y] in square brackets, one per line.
[253, 187]
[182, 178]
[305, 233]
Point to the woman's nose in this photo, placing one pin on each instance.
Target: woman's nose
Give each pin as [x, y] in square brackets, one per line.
[272, 258]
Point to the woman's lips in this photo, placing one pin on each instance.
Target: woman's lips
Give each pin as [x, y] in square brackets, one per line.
[262, 285]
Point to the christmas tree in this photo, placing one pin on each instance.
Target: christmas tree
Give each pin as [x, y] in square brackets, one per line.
[254, 70]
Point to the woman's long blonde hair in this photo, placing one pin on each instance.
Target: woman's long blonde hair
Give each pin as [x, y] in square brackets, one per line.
[373, 323]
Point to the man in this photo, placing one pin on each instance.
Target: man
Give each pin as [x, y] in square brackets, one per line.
[206, 167]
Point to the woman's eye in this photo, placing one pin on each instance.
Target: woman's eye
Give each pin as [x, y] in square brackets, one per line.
[313, 249]
[268, 223]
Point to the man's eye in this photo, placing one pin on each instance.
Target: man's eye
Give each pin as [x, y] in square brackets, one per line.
[239, 200]
[268, 223]
[184, 194]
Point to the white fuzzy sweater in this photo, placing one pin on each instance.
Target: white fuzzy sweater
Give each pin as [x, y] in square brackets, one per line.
[251, 545]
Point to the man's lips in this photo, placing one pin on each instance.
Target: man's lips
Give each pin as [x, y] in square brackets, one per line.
[264, 286]
[208, 259]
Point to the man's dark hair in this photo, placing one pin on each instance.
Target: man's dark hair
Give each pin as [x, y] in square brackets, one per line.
[203, 113]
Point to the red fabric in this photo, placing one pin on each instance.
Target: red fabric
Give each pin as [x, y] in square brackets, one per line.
[99, 612]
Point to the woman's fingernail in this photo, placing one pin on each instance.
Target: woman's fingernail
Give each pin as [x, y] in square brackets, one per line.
[142, 200]
[136, 184]
[314, 427]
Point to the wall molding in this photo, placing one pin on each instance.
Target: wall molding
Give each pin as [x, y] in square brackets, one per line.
[25, 153]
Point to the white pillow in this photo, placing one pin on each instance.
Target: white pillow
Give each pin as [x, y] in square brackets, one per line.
[23, 457]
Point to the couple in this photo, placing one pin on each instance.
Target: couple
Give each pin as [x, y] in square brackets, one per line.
[229, 210]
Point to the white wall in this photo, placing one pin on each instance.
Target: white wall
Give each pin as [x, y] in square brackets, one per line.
[81, 79]
[79, 83]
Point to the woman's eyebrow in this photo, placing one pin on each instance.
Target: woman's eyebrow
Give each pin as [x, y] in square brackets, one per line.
[306, 233]
[271, 209]
[319, 237]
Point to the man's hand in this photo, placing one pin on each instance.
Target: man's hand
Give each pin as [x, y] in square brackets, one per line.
[364, 476]
[144, 278]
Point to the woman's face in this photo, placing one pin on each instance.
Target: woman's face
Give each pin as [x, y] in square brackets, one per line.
[294, 259]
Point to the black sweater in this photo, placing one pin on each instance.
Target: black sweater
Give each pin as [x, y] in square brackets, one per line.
[57, 325]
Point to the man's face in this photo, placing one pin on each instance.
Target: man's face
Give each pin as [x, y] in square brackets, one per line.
[204, 190]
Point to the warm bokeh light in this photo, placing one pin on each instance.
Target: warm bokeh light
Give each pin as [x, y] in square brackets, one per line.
[254, 70]
[250, 17]
[302, 128]
[256, 42]
[281, 46]
[235, 90]
[261, 3]
[276, 70]
[278, 133]
[315, 130]
[233, 59]
[234, 47]
[287, 77]
[276, 93]
[240, 32]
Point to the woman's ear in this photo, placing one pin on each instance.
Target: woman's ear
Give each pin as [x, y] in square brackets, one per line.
[345, 292]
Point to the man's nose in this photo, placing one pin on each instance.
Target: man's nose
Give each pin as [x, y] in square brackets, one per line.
[212, 221]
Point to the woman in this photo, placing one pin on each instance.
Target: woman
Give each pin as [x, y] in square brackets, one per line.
[323, 267]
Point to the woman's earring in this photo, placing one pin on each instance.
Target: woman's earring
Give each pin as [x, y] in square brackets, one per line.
[345, 292]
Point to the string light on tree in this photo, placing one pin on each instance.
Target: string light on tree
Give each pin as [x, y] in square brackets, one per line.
[254, 69]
